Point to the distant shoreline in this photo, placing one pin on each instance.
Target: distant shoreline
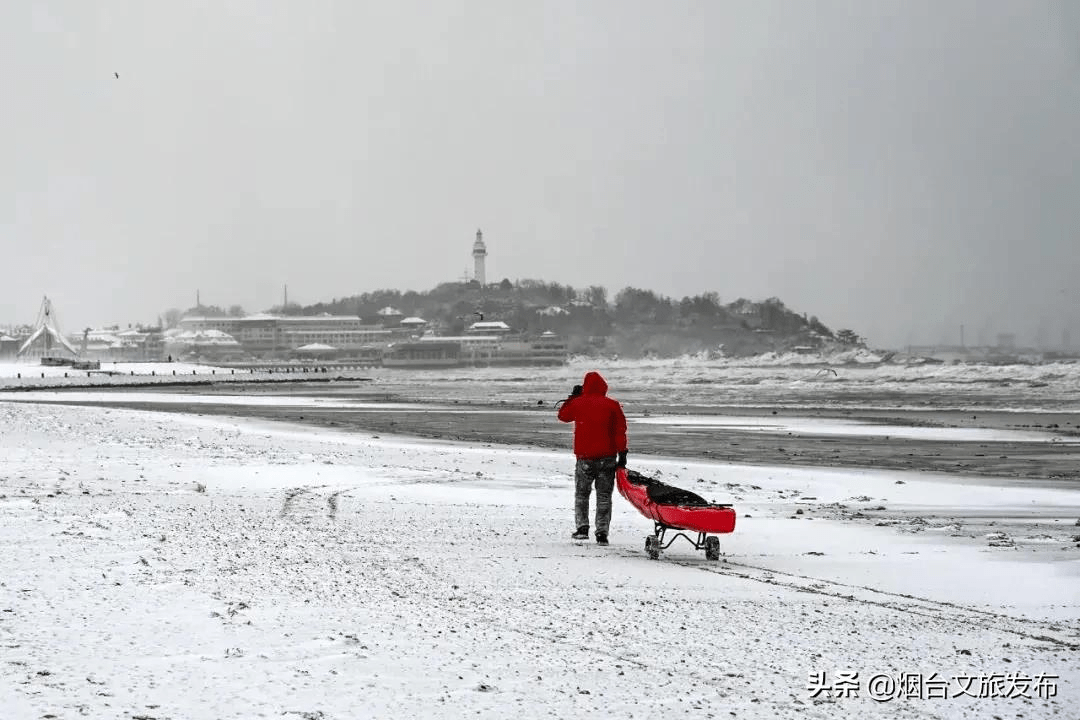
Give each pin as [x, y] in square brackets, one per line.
[1036, 464]
[33, 378]
[148, 382]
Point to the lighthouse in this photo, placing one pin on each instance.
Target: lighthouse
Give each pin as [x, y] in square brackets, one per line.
[479, 252]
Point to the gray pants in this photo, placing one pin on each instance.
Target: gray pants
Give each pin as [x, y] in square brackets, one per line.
[601, 472]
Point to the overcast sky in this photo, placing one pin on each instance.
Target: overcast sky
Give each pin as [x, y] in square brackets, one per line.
[895, 167]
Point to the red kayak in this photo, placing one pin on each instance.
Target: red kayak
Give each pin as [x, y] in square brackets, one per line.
[672, 508]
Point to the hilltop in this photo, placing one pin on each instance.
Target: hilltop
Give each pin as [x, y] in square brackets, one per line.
[634, 323]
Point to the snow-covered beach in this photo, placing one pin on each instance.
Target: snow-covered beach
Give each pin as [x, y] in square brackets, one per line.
[171, 565]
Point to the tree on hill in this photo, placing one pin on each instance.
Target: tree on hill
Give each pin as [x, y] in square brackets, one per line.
[633, 305]
[596, 296]
[171, 317]
[849, 337]
[206, 311]
[704, 310]
[297, 309]
[776, 317]
[819, 327]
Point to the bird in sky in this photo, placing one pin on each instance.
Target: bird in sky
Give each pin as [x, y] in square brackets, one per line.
[117, 75]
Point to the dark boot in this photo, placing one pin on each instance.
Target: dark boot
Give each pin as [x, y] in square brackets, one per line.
[601, 538]
[582, 533]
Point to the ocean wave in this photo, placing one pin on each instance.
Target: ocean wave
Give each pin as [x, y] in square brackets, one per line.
[813, 381]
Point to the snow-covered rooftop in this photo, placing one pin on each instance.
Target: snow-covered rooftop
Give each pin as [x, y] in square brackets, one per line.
[203, 337]
[467, 339]
[489, 326]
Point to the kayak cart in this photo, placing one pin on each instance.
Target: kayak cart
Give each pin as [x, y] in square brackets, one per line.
[675, 512]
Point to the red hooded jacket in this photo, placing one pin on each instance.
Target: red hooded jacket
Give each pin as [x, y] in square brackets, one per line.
[599, 423]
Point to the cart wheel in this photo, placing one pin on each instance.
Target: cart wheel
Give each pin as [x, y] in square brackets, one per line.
[712, 548]
[652, 546]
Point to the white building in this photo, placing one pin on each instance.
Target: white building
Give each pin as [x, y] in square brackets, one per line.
[466, 341]
[272, 333]
[415, 323]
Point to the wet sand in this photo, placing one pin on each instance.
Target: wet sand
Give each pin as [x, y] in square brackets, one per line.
[1042, 464]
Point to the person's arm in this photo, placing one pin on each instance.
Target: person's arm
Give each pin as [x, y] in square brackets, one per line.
[619, 432]
[566, 410]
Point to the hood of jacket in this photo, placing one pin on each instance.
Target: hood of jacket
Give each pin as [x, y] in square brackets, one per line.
[594, 384]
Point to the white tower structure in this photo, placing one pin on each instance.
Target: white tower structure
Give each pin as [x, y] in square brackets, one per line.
[479, 252]
[47, 340]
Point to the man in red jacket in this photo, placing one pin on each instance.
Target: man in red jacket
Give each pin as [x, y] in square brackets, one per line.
[600, 447]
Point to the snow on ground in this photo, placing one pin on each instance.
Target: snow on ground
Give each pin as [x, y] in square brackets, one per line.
[27, 376]
[772, 426]
[12, 370]
[832, 427]
[249, 400]
[169, 566]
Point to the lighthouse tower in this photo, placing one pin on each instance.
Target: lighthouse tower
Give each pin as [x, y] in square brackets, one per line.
[479, 252]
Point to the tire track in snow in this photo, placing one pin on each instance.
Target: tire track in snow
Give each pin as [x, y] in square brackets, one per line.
[1064, 637]
[297, 497]
[653, 655]
[479, 612]
[332, 504]
[290, 498]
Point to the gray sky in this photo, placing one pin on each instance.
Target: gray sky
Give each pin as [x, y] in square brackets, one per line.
[896, 167]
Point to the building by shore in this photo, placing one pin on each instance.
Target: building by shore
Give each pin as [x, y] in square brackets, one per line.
[281, 336]
[348, 338]
[476, 351]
